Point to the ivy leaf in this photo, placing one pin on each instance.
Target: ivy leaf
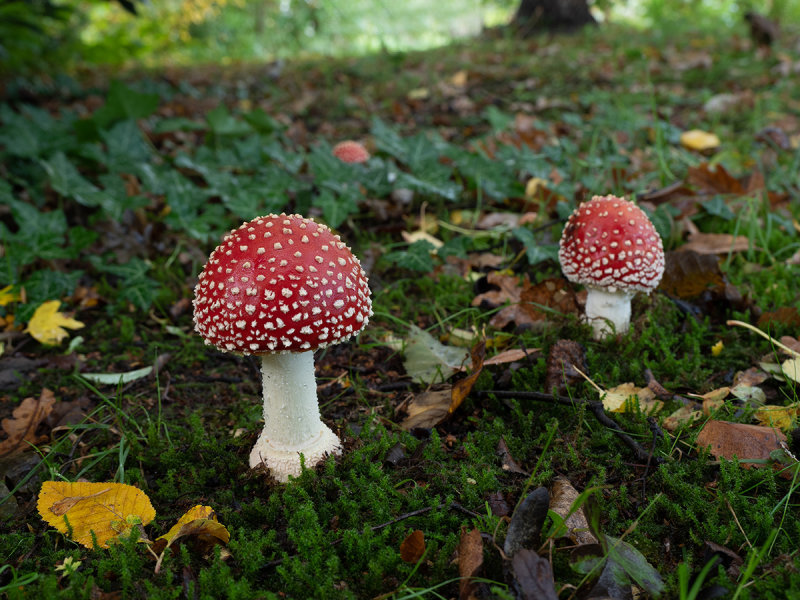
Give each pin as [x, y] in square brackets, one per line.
[47, 324]
[124, 103]
[417, 257]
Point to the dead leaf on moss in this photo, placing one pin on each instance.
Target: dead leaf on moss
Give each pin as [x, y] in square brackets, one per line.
[784, 315]
[21, 428]
[715, 243]
[107, 510]
[782, 417]
[527, 303]
[685, 414]
[714, 180]
[428, 409]
[688, 274]
[562, 502]
[470, 559]
[564, 356]
[413, 547]
[743, 441]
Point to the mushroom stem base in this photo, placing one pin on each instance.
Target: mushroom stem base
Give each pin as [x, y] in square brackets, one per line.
[292, 424]
[608, 312]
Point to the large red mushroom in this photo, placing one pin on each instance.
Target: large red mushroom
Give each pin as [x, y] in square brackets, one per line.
[610, 246]
[280, 287]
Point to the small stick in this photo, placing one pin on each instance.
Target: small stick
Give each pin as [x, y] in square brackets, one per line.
[596, 407]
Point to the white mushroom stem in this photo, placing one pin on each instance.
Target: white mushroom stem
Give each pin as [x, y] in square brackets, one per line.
[608, 311]
[292, 424]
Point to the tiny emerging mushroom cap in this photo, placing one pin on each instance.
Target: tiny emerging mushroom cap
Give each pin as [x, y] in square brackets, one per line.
[281, 283]
[608, 242]
[350, 151]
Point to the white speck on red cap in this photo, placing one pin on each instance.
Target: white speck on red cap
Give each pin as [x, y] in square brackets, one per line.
[608, 242]
[250, 323]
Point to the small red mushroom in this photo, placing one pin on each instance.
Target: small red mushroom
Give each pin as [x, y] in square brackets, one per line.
[610, 246]
[280, 287]
[351, 152]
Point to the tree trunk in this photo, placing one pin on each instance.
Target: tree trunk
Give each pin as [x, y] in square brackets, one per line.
[551, 15]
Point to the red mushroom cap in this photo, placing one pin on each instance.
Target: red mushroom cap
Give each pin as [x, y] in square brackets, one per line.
[281, 283]
[350, 152]
[609, 242]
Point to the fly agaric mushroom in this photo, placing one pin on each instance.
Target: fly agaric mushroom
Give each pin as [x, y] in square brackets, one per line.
[280, 287]
[610, 246]
[350, 152]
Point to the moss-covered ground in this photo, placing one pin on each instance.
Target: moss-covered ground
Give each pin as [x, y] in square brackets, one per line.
[610, 105]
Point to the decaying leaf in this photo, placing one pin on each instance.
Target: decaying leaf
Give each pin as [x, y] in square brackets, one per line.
[714, 180]
[427, 359]
[21, 428]
[782, 417]
[533, 576]
[507, 462]
[688, 274]
[107, 510]
[525, 528]
[627, 396]
[527, 303]
[428, 409]
[562, 502]
[47, 324]
[685, 414]
[564, 356]
[470, 559]
[199, 522]
[715, 243]
[463, 387]
[748, 443]
[413, 547]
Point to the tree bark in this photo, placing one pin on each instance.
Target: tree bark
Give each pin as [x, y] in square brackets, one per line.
[533, 16]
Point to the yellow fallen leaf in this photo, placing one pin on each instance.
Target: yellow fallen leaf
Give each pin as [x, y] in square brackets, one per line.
[200, 521]
[627, 396]
[699, 141]
[685, 414]
[459, 78]
[108, 510]
[782, 417]
[47, 324]
[8, 295]
[717, 348]
[534, 186]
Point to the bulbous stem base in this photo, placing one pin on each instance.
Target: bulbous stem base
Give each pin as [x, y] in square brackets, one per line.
[608, 312]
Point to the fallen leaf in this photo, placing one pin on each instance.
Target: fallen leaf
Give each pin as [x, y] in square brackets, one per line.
[21, 428]
[525, 528]
[782, 417]
[413, 547]
[688, 274]
[560, 373]
[508, 464]
[108, 510]
[715, 243]
[428, 409]
[753, 376]
[627, 396]
[8, 295]
[714, 180]
[47, 324]
[533, 576]
[685, 414]
[427, 360]
[746, 442]
[118, 378]
[199, 522]
[699, 141]
[563, 502]
[463, 387]
[785, 315]
[470, 559]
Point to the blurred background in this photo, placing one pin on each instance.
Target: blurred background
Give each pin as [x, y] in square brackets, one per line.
[64, 35]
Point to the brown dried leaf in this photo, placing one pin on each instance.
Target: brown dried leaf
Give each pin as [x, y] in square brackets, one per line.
[688, 274]
[463, 387]
[470, 559]
[428, 409]
[743, 441]
[564, 356]
[508, 463]
[715, 243]
[524, 297]
[562, 499]
[413, 547]
[784, 315]
[21, 429]
[716, 181]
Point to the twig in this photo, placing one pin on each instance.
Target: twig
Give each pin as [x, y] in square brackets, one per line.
[596, 407]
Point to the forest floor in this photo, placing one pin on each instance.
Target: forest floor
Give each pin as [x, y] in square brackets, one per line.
[491, 447]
